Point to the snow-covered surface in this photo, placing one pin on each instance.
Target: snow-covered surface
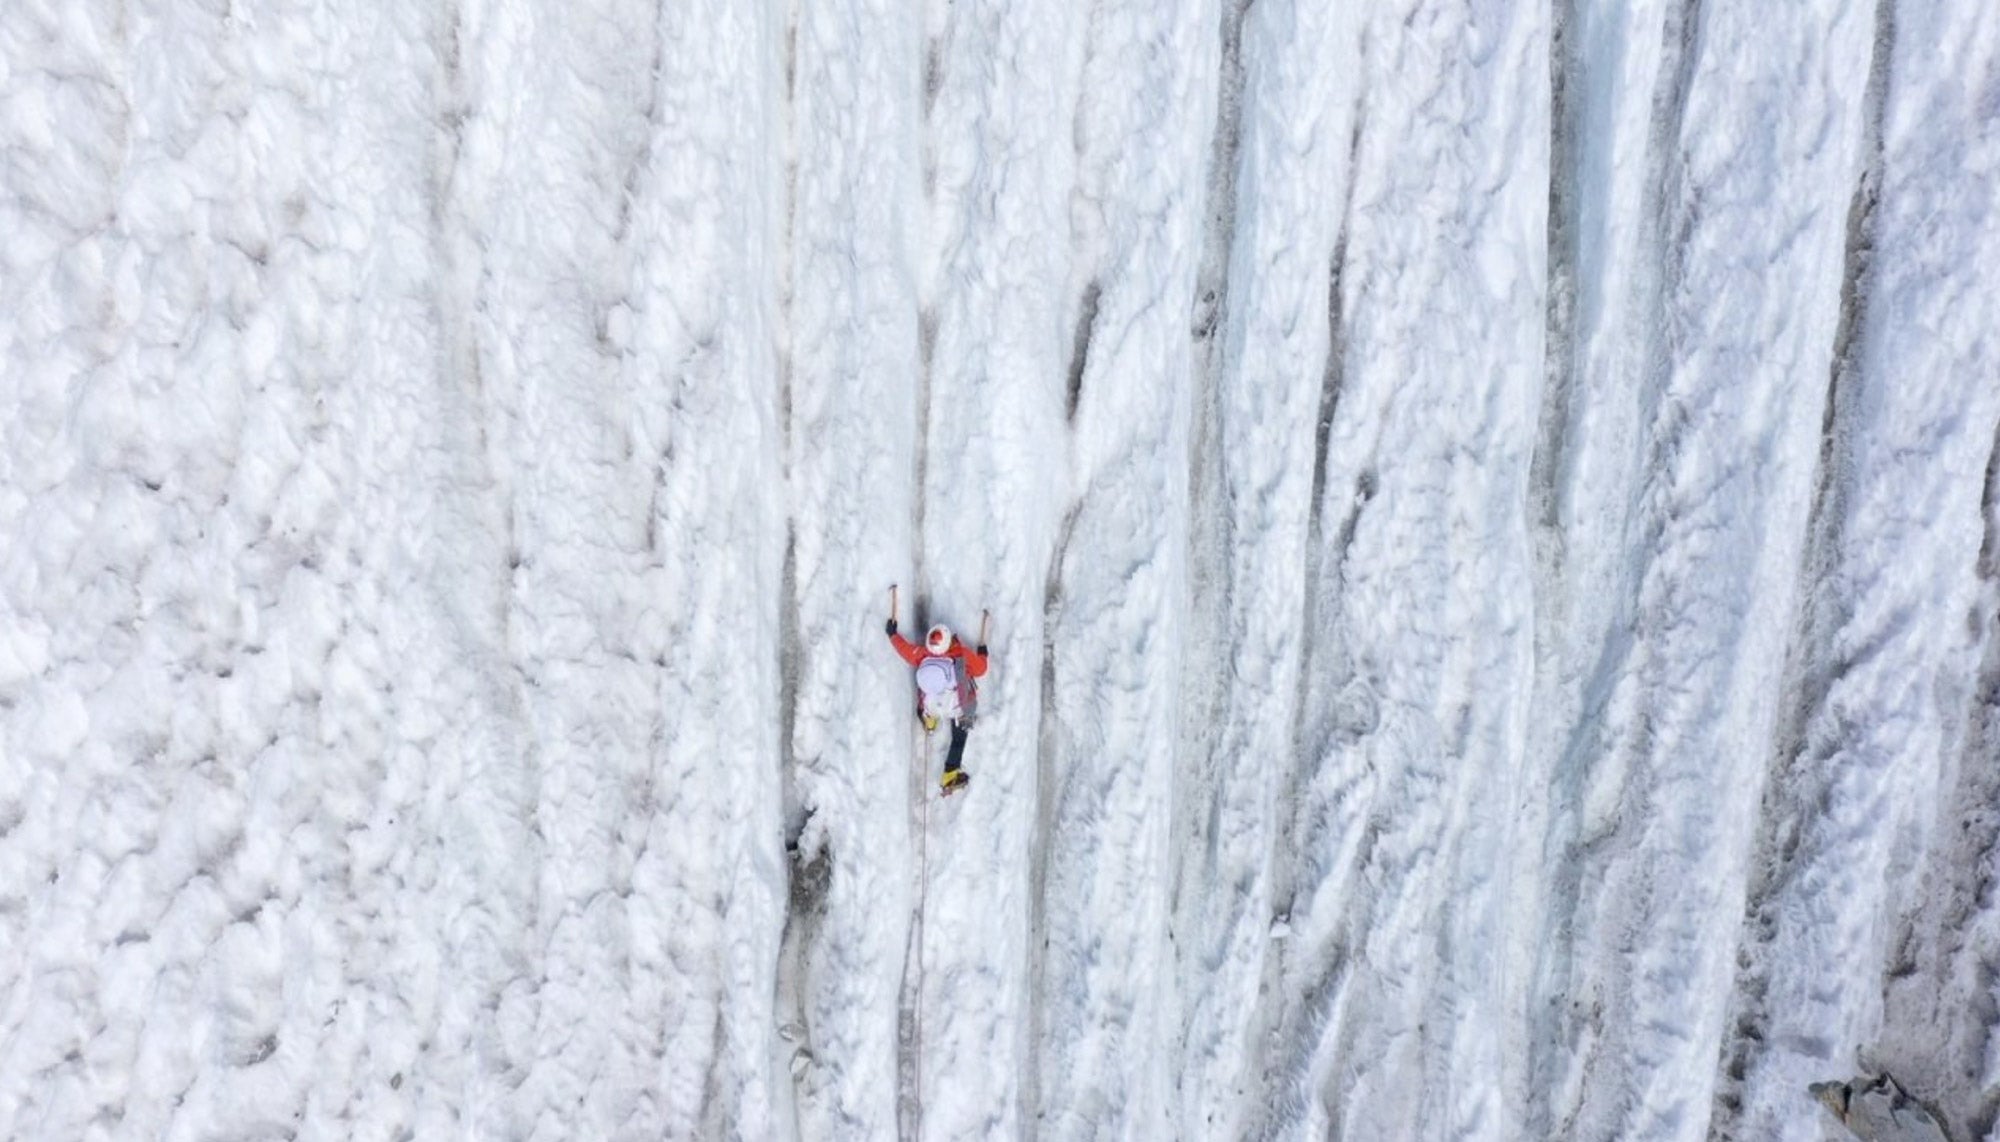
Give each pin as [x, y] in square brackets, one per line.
[1489, 513]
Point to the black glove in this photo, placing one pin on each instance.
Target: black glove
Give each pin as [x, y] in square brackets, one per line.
[892, 626]
[982, 650]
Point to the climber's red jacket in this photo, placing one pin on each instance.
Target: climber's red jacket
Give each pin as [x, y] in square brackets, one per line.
[914, 653]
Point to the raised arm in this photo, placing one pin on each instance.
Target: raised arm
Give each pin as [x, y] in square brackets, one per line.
[975, 661]
[910, 651]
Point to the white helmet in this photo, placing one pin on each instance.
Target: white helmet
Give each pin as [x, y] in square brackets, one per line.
[939, 640]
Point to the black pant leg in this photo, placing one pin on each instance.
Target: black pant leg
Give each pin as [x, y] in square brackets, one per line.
[954, 756]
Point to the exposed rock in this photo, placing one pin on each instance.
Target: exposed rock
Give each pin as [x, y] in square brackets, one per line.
[1878, 1109]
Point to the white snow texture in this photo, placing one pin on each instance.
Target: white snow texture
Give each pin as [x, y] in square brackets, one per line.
[1488, 509]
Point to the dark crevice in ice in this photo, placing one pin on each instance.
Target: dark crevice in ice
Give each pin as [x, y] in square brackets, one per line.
[1079, 357]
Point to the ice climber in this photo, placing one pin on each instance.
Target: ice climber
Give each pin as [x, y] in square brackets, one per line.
[945, 689]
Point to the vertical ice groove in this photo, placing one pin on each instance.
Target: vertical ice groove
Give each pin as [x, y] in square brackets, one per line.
[1316, 729]
[611, 377]
[1802, 771]
[1219, 229]
[998, 276]
[1331, 374]
[701, 380]
[1957, 956]
[1615, 73]
[1727, 488]
[1566, 94]
[1320, 565]
[1267, 361]
[1393, 975]
[1079, 357]
[940, 17]
[1200, 766]
[1565, 395]
[1049, 756]
[806, 871]
[858, 359]
[1629, 58]
[1941, 1003]
[920, 458]
[1927, 357]
[1104, 988]
[1208, 587]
